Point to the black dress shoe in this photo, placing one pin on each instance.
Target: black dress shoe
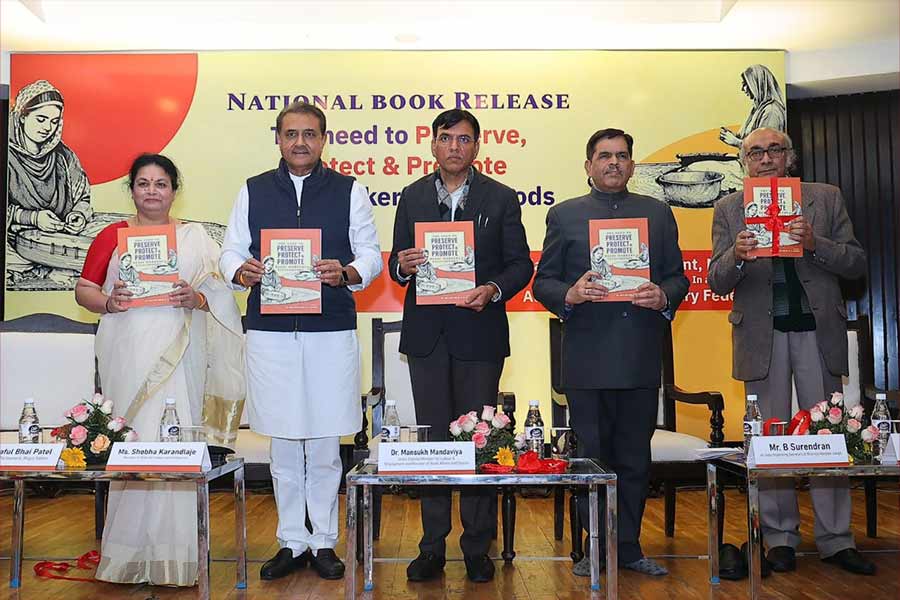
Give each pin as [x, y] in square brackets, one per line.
[479, 569]
[425, 567]
[765, 569]
[327, 564]
[732, 564]
[782, 559]
[283, 563]
[849, 559]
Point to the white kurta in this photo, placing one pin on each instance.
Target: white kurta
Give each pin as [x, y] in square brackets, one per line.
[303, 385]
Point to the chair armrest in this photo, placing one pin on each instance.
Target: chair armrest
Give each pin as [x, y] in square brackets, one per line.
[713, 401]
[361, 439]
[374, 397]
[507, 401]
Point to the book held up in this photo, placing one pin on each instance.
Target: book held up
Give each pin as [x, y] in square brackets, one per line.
[148, 263]
[289, 284]
[770, 223]
[448, 273]
[620, 255]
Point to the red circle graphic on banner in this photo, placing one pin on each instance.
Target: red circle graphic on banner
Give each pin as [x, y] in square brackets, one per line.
[116, 105]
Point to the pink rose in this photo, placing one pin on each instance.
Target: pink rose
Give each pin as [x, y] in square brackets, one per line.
[835, 415]
[816, 415]
[853, 425]
[500, 421]
[869, 434]
[480, 440]
[482, 427]
[856, 412]
[823, 431]
[100, 444]
[116, 425]
[467, 422]
[131, 436]
[822, 406]
[520, 441]
[80, 413]
[78, 435]
[107, 407]
[488, 413]
[837, 399]
[455, 428]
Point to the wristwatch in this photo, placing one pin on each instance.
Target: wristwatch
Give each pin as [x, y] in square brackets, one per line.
[344, 281]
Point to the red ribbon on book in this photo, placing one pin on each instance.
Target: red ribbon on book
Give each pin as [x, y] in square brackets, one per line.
[800, 423]
[773, 221]
[49, 569]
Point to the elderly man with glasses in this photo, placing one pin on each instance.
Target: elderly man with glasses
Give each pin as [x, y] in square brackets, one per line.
[456, 353]
[789, 325]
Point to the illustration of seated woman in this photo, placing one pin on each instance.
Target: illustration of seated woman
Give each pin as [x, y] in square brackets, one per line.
[601, 267]
[467, 263]
[129, 275]
[641, 261]
[427, 281]
[768, 110]
[48, 188]
[270, 284]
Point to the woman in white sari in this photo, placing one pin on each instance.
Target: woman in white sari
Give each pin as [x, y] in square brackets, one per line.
[191, 352]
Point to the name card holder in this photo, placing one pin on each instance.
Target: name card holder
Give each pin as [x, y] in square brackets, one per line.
[30, 457]
[169, 457]
[798, 451]
[891, 454]
[426, 458]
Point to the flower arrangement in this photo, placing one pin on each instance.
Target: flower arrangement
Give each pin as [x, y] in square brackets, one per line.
[491, 433]
[831, 417]
[91, 431]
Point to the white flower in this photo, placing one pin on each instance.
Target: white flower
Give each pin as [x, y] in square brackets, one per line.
[822, 406]
[117, 424]
[869, 434]
[468, 423]
[97, 399]
[816, 415]
[856, 412]
[837, 399]
[853, 425]
[488, 413]
[107, 407]
[455, 429]
[520, 441]
[131, 436]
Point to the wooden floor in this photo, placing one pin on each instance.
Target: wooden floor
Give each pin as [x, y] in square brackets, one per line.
[62, 527]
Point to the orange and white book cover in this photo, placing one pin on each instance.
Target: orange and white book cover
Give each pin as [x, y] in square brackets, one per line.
[448, 273]
[620, 255]
[763, 220]
[289, 284]
[148, 263]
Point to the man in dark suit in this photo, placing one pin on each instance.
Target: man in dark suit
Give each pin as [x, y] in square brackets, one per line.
[789, 324]
[612, 351]
[456, 353]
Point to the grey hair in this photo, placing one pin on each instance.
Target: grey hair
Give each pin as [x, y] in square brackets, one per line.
[790, 155]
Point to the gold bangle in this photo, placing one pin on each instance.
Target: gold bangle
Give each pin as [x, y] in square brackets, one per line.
[202, 301]
[241, 278]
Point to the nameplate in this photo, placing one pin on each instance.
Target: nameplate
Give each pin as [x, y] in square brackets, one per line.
[29, 457]
[798, 451]
[172, 457]
[426, 458]
[891, 454]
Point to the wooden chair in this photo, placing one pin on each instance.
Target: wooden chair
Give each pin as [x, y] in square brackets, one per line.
[49, 358]
[390, 381]
[674, 461]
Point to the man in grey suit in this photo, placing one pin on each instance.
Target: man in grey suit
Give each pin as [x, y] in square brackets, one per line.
[789, 323]
[613, 396]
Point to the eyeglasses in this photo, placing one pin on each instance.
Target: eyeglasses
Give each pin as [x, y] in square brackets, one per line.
[445, 139]
[774, 152]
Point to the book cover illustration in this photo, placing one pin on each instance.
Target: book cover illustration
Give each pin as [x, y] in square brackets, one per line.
[765, 219]
[289, 284]
[448, 273]
[148, 263]
[620, 254]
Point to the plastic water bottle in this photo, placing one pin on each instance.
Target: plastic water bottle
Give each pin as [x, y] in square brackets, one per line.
[390, 427]
[169, 425]
[29, 426]
[881, 419]
[534, 429]
[752, 422]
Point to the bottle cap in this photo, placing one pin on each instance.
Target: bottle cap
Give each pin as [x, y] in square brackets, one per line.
[878, 396]
[751, 397]
[390, 403]
[533, 403]
[170, 401]
[29, 401]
